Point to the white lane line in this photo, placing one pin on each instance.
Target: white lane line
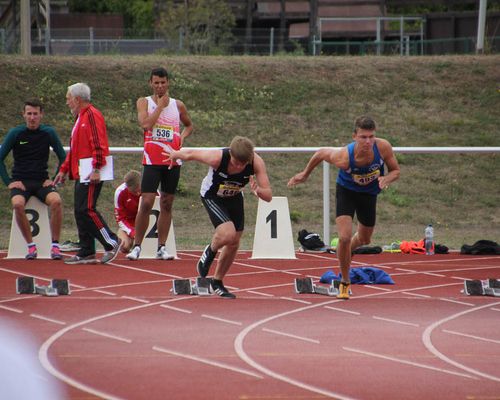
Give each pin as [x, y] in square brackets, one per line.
[425, 296]
[405, 270]
[342, 310]
[434, 274]
[495, 309]
[227, 321]
[414, 364]
[456, 301]
[291, 335]
[182, 310]
[136, 299]
[104, 292]
[426, 339]
[208, 362]
[260, 293]
[16, 310]
[459, 278]
[55, 321]
[382, 289]
[296, 300]
[107, 335]
[395, 321]
[471, 336]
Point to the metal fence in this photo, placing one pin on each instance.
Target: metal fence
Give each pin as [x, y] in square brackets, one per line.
[260, 42]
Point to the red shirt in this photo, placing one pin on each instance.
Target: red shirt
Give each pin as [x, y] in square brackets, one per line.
[126, 205]
[88, 140]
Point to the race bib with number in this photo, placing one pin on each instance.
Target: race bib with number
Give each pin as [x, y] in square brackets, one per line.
[163, 132]
[366, 179]
[228, 190]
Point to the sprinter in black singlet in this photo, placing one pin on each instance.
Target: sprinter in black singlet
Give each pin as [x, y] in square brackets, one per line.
[221, 193]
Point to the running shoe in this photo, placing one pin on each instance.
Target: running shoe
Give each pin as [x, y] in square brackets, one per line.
[220, 290]
[110, 255]
[206, 259]
[55, 252]
[343, 291]
[90, 259]
[162, 254]
[32, 253]
[134, 253]
[69, 245]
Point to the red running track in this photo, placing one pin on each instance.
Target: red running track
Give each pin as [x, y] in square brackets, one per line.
[121, 334]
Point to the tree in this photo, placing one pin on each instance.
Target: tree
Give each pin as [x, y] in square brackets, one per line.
[137, 14]
[202, 26]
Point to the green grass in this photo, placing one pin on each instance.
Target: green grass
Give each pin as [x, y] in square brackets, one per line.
[296, 101]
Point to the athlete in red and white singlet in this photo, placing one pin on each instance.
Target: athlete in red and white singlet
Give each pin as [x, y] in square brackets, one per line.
[164, 135]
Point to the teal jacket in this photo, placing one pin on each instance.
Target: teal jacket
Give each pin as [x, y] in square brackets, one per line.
[30, 149]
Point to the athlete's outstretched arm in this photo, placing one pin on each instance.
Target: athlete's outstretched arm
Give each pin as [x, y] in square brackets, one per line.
[331, 155]
[209, 157]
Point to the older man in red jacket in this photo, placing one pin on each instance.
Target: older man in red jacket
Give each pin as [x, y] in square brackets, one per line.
[89, 140]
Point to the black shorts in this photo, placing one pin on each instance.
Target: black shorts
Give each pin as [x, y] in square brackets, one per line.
[153, 175]
[364, 205]
[225, 209]
[33, 188]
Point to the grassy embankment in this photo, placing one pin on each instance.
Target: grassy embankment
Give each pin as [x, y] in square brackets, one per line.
[296, 101]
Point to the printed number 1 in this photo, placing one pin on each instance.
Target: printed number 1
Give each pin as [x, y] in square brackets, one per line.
[274, 229]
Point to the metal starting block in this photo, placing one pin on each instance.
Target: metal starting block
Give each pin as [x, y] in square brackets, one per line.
[306, 285]
[56, 287]
[488, 287]
[201, 287]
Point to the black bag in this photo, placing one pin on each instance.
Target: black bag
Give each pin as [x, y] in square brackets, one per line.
[310, 240]
[368, 250]
[481, 247]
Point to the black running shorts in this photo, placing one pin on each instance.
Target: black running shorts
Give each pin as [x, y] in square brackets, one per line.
[364, 205]
[33, 188]
[225, 209]
[153, 175]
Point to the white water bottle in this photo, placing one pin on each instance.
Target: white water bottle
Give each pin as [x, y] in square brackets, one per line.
[429, 240]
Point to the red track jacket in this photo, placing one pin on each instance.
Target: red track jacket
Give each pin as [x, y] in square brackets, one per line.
[88, 139]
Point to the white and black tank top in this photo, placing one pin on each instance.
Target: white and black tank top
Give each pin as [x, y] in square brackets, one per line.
[219, 183]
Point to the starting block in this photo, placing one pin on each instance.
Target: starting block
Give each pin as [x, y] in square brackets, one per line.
[201, 287]
[56, 287]
[488, 287]
[306, 285]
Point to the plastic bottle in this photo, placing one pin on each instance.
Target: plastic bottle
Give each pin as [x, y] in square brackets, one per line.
[429, 240]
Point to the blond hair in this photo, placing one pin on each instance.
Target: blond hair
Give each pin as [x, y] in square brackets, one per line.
[132, 179]
[242, 149]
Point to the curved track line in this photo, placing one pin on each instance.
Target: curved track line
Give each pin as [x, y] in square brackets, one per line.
[426, 339]
[44, 349]
[240, 351]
